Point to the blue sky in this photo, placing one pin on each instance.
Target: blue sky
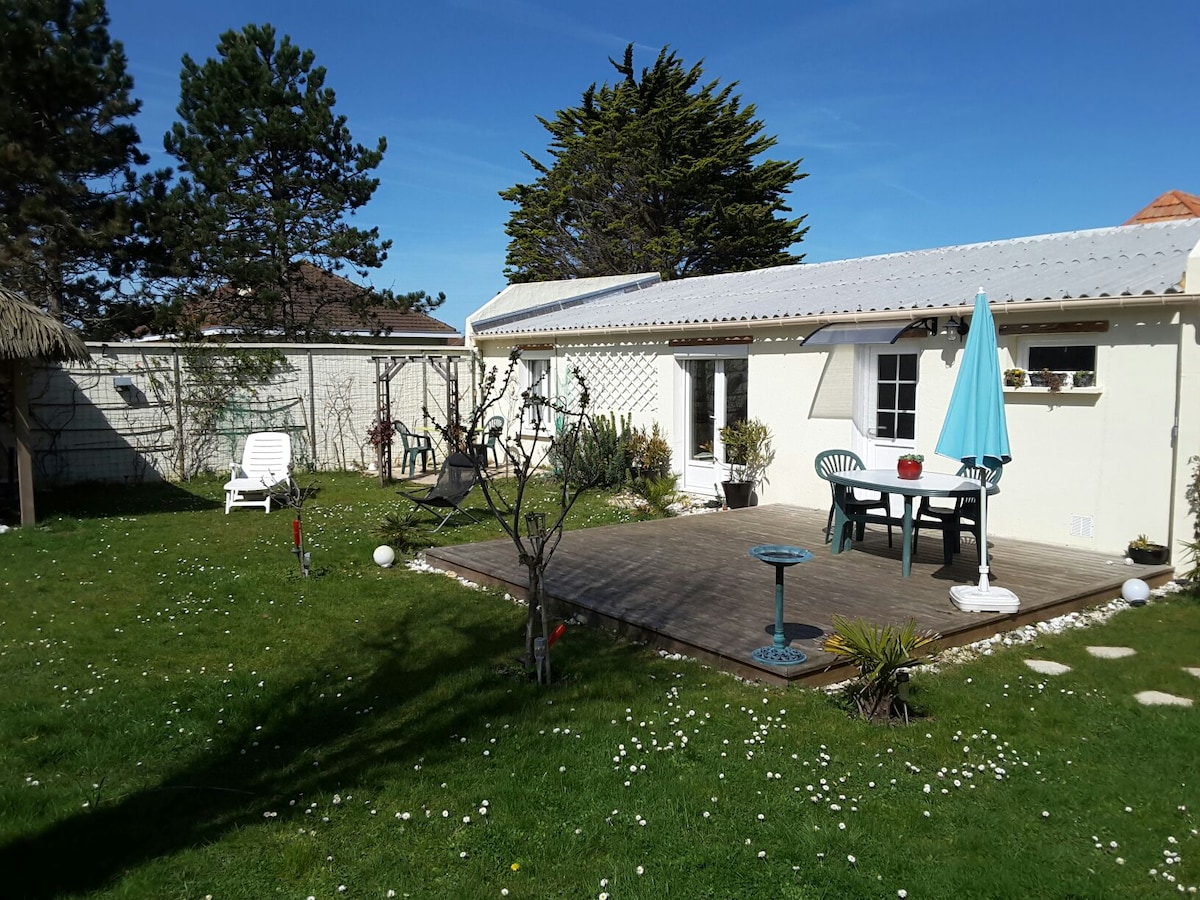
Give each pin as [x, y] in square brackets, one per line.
[921, 123]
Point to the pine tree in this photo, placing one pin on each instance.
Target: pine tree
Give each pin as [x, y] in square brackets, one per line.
[269, 176]
[653, 174]
[67, 151]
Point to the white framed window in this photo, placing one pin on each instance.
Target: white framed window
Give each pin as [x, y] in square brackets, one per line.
[1072, 361]
[535, 379]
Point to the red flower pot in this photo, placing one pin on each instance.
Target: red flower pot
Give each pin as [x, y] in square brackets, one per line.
[908, 468]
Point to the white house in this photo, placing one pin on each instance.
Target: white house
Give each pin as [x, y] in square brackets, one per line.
[862, 354]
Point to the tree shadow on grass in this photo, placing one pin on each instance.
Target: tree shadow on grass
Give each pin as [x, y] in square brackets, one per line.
[260, 771]
[98, 501]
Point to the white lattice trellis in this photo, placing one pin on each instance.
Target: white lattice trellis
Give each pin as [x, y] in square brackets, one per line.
[621, 381]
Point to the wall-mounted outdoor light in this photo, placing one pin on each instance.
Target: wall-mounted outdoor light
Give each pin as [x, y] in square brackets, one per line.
[956, 328]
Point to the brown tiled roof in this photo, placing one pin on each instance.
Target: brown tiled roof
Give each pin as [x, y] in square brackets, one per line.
[1171, 205]
[335, 297]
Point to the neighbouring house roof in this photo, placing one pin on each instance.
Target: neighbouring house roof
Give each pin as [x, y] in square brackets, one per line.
[26, 332]
[1169, 206]
[1106, 262]
[336, 298]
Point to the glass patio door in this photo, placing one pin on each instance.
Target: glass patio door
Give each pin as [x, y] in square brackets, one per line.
[714, 395]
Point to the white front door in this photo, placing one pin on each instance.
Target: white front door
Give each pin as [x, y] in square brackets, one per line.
[714, 395]
[886, 419]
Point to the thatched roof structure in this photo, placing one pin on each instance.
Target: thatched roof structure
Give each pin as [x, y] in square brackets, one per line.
[28, 333]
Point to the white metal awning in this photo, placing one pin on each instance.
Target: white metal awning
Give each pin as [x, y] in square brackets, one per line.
[867, 333]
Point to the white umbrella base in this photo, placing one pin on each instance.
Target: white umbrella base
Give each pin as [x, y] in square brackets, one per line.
[969, 598]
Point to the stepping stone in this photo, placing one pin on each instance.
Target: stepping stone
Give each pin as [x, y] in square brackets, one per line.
[1192, 671]
[1047, 667]
[1158, 698]
[1111, 652]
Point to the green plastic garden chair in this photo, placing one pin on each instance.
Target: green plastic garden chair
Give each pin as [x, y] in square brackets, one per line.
[830, 462]
[415, 445]
[950, 520]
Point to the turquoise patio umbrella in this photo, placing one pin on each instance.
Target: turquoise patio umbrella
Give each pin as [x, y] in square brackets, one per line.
[976, 433]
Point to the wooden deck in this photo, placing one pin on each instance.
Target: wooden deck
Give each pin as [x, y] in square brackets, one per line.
[689, 585]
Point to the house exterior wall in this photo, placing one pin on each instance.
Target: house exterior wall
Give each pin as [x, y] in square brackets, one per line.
[1091, 468]
[88, 429]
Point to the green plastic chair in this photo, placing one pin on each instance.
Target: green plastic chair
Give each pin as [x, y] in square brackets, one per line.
[494, 428]
[415, 445]
[949, 520]
[829, 462]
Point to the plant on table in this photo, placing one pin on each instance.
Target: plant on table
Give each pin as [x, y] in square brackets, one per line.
[909, 465]
[883, 654]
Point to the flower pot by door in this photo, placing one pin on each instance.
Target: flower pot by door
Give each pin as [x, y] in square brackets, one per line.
[737, 493]
[908, 469]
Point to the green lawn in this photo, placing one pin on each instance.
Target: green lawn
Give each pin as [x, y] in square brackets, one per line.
[184, 716]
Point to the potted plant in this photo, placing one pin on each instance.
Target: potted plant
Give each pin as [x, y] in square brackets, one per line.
[1146, 552]
[1047, 378]
[748, 453]
[658, 453]
[635, 452]
[1014, 378]
[1083, 378]
[909, 466]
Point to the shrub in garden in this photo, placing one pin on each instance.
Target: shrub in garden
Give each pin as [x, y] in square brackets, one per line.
[882, 653]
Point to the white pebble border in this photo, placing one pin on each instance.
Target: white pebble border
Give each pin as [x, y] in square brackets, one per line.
[1085, 618]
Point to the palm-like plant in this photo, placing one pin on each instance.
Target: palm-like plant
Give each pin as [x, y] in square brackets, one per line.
[881, 654]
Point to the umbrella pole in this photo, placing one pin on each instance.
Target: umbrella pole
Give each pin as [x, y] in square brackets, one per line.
[983, 560]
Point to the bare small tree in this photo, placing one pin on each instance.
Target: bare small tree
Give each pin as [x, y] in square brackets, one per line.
[544, 439]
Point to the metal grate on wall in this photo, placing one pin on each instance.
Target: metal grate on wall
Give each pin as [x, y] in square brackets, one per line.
[1082, 526]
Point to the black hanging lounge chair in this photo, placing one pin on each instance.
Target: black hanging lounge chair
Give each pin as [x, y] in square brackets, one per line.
[455, 482]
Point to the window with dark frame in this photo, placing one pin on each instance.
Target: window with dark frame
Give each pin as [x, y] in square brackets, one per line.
[1062, 358]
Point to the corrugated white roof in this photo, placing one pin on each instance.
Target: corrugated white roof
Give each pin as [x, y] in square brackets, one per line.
[1120, 261]
[518, 298]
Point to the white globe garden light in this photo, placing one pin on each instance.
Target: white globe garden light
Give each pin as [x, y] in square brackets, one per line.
[384, 556]
[1135, 591]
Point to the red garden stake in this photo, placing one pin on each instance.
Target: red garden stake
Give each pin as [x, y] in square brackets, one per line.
[557, 633]
[298, 547]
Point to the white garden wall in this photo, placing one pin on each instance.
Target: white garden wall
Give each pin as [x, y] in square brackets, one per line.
[121, 418]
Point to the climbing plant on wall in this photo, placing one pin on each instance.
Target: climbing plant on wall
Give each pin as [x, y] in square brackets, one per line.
[215, 386]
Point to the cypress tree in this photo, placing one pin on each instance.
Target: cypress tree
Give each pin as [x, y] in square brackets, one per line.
[657, 173]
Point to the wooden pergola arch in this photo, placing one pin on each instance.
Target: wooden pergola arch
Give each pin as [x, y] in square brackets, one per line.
[386, 369]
